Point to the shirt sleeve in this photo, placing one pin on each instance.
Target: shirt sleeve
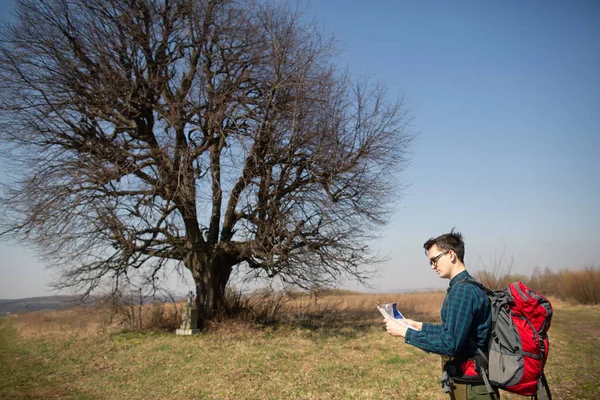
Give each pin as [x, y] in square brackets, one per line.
[447, 338]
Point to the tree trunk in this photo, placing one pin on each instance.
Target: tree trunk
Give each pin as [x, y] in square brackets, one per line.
[211, 275]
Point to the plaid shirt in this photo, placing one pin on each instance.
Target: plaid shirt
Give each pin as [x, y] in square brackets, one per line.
[466, 313]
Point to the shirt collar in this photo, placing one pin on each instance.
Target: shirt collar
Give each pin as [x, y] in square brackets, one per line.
[462, 275]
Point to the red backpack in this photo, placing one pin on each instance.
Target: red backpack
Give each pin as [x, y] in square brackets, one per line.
[518, 346]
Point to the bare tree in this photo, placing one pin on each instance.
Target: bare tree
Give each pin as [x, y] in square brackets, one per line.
[210, 133]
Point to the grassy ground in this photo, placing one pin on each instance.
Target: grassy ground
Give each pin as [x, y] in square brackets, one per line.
[74, 356]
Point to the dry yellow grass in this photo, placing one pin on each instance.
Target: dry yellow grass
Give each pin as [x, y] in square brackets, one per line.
[422, 304]
[332, 348]
[90, 321]
[77, 321]
[82, 321]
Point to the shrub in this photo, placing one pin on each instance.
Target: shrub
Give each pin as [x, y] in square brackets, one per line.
[261, 306]
[583, 286]
[136, 313]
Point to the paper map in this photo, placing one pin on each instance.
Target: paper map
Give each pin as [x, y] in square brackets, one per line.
[390, 311]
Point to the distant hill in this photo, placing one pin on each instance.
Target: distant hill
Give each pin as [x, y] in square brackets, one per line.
[12, 306]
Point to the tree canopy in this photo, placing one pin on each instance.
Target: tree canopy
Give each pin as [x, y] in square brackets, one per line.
[209, 133]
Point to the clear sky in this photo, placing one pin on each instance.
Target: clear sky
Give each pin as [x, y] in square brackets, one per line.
[505, 97]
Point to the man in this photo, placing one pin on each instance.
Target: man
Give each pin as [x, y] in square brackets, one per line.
[466, 319]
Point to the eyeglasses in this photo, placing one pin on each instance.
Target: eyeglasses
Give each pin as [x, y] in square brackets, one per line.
[433, 261]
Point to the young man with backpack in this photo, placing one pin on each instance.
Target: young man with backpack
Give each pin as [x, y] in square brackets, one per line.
[466, 322]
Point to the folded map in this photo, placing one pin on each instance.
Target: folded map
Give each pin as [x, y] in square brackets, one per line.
[390, 311]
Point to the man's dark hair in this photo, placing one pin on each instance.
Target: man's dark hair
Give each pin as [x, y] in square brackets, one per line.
[448, 241]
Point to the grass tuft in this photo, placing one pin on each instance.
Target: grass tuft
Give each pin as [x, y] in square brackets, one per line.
[332, 348]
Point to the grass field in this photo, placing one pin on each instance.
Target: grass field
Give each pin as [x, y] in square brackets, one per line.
[335, 348]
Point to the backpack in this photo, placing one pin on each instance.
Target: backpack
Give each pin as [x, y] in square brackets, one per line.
[518, 345]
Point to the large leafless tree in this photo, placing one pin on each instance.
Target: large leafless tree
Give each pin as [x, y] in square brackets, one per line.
[210, 133]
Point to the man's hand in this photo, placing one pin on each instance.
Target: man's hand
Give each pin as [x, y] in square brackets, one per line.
[395, 328]
[417, 325]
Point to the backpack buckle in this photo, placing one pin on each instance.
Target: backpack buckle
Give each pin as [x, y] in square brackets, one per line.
[446, 382]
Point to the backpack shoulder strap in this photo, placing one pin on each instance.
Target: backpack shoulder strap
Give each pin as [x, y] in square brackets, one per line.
[480, 285]
[483, 372]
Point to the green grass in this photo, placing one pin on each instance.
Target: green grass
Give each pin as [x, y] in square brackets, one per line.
[270, 363]
[574, 365]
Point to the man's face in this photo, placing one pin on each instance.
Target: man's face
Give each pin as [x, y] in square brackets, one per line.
[440, 261]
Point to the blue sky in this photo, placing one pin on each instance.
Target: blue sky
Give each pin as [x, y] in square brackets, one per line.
[505, 97]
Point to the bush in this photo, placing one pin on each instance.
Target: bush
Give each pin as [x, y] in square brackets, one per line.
[581, 286]
[494, 282]
[261, 306]
[136, 313]
[546, 282]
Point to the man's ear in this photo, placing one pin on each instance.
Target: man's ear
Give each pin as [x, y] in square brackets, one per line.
[453, 256]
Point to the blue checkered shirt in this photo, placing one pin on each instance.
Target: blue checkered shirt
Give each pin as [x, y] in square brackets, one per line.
[466, 313]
